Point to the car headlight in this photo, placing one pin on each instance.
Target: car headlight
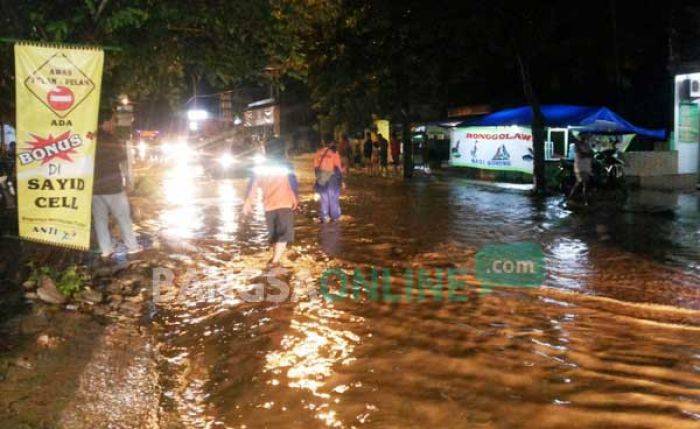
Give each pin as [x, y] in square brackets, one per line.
[226, 160]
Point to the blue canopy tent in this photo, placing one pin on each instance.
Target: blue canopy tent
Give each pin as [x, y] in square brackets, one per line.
[597, 120]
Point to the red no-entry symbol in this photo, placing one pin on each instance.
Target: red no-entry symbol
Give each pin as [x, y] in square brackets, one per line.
[60, 98]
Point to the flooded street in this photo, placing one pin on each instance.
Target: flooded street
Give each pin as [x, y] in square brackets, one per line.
[335, 214]
[610, 339]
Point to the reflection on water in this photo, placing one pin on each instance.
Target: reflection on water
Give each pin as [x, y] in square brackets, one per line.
[228, 200]
[611, 340]
[182, 216]
[309, 355]
[569, 263]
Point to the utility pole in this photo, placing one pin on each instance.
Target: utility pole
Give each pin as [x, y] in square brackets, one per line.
[538, 124]
[407, 149]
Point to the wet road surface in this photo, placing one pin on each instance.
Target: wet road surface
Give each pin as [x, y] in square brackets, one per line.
[611, 338]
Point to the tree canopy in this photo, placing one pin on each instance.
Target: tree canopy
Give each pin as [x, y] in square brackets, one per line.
[411, 57]
[355, 58]
[162, 47]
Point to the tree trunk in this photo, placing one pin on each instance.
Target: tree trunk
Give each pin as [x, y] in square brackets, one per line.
[538, 133]
[407, 151]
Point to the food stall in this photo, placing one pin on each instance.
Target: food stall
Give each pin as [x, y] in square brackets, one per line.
[502, 141]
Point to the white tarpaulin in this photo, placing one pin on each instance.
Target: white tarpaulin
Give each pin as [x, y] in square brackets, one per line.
[492, 148]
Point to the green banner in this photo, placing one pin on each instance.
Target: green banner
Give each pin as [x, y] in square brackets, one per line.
[688, 123]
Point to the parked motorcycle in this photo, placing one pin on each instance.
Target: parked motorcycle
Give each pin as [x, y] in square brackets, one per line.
[566, 179]
[607, 173]
[612, 168]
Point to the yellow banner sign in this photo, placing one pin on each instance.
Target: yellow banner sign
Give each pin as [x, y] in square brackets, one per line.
[58, 98]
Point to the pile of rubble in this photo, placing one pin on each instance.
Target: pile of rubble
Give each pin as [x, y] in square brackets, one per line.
[119, 296]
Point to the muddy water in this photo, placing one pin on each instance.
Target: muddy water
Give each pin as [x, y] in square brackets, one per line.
[610, 339]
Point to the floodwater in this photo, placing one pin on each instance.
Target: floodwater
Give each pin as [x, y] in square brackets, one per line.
[611, 339]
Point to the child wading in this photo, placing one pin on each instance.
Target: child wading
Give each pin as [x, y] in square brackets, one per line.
[329, 180]
[278, 184]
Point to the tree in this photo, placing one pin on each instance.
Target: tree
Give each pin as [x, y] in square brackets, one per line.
[518, 36]
[361, 58]
[161, 45]
[77, 22]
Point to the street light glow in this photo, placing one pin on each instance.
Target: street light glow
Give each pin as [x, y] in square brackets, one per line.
[226, 160]
[197, 114]
[142, 148]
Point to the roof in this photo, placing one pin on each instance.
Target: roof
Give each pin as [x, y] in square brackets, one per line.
[598, 120]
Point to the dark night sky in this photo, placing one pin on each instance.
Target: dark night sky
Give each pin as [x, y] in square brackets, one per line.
[577, 61]
[613, 53]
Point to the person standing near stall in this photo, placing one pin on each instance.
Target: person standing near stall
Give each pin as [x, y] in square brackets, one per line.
[426, 154]
[375, 157]
[329, 180]
[367, 150]
[344, 151]
[583, 167]
[395, 153]
[383, 155]
[357, 152]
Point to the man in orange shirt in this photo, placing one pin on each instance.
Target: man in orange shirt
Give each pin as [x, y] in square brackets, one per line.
[329, 179]
[278, 184]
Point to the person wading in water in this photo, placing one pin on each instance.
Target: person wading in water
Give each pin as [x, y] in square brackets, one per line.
[329, 180]
[280, 194]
